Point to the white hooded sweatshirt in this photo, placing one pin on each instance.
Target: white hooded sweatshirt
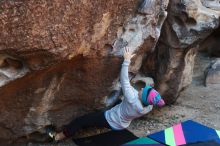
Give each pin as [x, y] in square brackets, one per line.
[120, 116]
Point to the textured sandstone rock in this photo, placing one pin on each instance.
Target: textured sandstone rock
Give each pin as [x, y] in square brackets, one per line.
[142, 31]
[188, 23]
[11, 68]
[142, 81]
[62, 27]
[71, 54]
[55, 94]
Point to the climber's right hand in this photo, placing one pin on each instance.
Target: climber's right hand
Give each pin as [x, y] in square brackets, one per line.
[127, 54]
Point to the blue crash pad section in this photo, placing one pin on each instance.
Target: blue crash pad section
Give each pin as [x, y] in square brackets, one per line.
[193, 132]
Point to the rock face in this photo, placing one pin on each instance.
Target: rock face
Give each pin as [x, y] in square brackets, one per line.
[10, 68]
[212, 74]
[53, 95]
[188, 23]
[60, 59]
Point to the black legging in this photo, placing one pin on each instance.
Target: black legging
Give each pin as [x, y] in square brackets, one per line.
[96, 119]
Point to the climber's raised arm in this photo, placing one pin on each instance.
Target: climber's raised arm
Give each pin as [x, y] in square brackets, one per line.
[124, 78]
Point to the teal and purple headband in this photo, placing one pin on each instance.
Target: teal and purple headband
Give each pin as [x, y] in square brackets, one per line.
[151, 97]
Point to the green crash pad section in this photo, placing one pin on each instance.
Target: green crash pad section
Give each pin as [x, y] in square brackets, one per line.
[218, 132]
[143, 140]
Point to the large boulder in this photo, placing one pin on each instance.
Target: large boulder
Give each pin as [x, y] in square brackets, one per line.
[188, 23]
[65, 57]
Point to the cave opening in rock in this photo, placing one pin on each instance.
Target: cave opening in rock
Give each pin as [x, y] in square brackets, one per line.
[211, 45]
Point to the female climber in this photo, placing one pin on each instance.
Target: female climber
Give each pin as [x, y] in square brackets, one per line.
[134, 104]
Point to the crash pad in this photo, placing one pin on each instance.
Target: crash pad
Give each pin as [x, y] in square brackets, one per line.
[185, 133]
[143, 141]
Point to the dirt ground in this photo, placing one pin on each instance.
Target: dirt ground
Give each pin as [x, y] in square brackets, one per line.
[197, 102]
